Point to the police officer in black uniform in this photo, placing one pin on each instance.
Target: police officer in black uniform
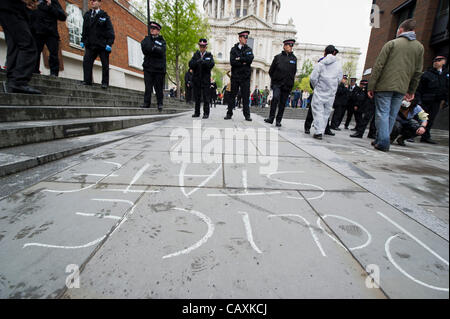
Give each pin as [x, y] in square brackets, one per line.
[282, 73]
[97, 38]
[241, 58]
[154, 49]
[340, 104]
[432, 93]
[202, 63]
[364, 110]
[354, 91]
[44, 22]
[21, 54]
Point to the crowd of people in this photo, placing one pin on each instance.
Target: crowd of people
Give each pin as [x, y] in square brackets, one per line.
[399, 103]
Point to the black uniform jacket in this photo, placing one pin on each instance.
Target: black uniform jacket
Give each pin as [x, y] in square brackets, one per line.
[241, 61]
[363, 101]
[342, 96]
[202, 68]
[154, 49]
[15, 7]
[188, 79]
[353, 96]
[433, 87]
[283, 69]
[98, 31]
[44, 20]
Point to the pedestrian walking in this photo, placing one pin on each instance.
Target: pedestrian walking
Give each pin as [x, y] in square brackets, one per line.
[201, 64]
[282, 74]
[325, 78]
[21, 47]
[241, 58]
[44, 22]
[213, 92]
[396, 74]
[154, 49]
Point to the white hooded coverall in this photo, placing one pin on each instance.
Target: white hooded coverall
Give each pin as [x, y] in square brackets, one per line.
[325, 78]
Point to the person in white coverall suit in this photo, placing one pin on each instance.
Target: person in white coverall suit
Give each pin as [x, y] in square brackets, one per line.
[325, 78]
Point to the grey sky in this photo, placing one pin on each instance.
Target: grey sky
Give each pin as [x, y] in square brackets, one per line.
[338, 22]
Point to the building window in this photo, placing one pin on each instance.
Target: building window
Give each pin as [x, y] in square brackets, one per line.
[220, 55]
[135, 55]
[74, 23]
[405, 11]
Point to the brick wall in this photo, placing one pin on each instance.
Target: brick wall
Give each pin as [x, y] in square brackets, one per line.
[424, 13]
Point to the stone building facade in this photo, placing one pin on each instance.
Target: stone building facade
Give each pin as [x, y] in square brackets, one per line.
[260, 17]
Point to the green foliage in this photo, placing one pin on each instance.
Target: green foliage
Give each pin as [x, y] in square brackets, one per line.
[182, 27]
[305, 86]
[306, 71]
[349, 68]
[218, 75]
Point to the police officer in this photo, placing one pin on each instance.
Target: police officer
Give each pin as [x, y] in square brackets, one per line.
[154, 50]
[340, 104]
[44, 22]
[202, 63]
[213, 92]
[432, 93]
[282, 73]
[354, 91]
[364, 110]
[21, 55]
[97, 38]
[241, 58]
[189, 85]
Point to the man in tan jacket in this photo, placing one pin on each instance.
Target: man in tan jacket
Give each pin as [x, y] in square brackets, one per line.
[396, 74]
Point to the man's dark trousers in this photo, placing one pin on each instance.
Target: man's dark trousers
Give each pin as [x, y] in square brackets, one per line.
[244, 85]
[350, 112]
[201, 92]
[310, 119]
[21, 55]
[153, 80]
[52, 44]
[433, 110]
[279, 99]
[90, 55]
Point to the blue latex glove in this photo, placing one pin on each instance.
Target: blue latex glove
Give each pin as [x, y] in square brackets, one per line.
[82, 45]
[108, 48]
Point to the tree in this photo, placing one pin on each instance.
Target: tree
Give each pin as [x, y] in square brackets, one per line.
[182, 27]
[349, 68]
[306, 71]
[218, 75]
[305, 86]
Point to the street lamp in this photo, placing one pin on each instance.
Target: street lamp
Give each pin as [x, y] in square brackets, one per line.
[148, 17]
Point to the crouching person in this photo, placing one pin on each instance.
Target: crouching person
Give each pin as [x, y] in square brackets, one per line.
[411, 122]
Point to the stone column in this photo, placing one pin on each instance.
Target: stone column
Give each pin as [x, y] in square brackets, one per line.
[241, 12]
[265, 10]
[270, 11]
[233, 8]
[213, 12]
[258, 6]
[219, 9]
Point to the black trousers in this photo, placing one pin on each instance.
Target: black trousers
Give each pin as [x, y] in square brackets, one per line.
[201, 92]
[350, 112]
[363, 120]
[156, 81]
[90, 54]
[21, 53]
[52, 44]
[310, 119]
[433, 110]
[279, 99]
[338, 115]
[406, 130]
[244, 86]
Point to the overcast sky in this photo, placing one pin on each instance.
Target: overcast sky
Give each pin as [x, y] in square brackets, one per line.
[338, 22]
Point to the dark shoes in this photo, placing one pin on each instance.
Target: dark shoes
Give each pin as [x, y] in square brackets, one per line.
[145, 106]
[196, 115]
[377, 147]
[248, 119]
[401, 141]
[346, 127]
[335, 128]
[86, 83]
[329, 133]
[318, 136]
[160, 108]
[428, 141]
[353, 129]
[372, 136]
[104, 86]
[268, 121]
[356, 135]
[205, 117]
[307, 131]
[278, 124]
[227, 117]
[24, 89]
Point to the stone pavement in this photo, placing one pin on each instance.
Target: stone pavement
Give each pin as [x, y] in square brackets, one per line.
[136, 223]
